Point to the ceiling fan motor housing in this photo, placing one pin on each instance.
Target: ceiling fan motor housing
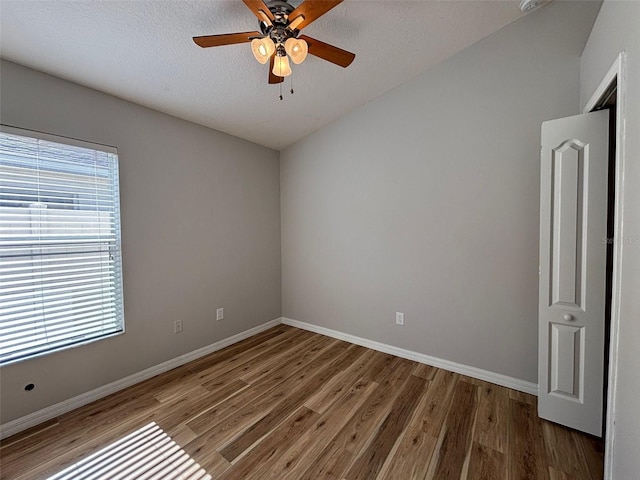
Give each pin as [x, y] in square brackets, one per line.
[280, 8]
[279, 32]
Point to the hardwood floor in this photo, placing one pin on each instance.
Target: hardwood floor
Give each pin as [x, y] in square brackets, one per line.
[289, 404]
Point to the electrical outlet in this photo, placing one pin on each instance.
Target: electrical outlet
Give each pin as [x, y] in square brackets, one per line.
[177, 326]
[220, 314]
[399, 318]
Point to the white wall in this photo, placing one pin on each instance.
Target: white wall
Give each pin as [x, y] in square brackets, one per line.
[426, 201]
[200, 230]
[617, 29]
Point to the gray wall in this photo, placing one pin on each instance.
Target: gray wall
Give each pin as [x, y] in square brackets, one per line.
[616, 30]
[426, 200]
[200, 230]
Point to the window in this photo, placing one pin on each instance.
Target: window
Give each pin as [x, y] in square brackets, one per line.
[60, 263]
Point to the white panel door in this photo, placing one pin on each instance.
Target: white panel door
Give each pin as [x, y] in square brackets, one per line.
[573, 230]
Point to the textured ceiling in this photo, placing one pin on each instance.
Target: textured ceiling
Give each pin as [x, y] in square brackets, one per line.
[142, 51]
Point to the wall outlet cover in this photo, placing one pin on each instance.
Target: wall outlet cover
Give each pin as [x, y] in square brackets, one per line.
[177, 326]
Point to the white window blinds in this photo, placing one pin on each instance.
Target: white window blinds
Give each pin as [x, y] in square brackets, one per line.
[60, 263]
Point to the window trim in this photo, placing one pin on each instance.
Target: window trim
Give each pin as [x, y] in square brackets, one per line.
[74, 142]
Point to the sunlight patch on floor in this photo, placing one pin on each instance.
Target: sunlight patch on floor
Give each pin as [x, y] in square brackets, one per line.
[146, 454]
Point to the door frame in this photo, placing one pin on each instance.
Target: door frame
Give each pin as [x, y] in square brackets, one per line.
[616, 73]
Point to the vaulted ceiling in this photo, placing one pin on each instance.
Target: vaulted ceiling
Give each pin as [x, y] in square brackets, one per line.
[142, 51]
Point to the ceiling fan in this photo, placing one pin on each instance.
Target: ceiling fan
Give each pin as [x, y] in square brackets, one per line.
[279, 36]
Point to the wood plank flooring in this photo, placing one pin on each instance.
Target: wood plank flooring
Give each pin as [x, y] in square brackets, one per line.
[288, 404]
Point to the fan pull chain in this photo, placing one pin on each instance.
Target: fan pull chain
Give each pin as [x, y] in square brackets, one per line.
[291, 84]
[280, 86]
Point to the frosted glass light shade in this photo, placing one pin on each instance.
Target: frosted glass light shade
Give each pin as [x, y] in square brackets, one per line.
[262, 49]
[281, 67]
[297, 49]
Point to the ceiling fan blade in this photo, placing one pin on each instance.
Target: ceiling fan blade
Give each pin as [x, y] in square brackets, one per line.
[312, 10]
[328, 52]
[256, 6]
[274, 78]
[225, 39]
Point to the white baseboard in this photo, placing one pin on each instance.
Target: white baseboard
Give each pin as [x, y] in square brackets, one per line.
[35, 418]
[492, 377]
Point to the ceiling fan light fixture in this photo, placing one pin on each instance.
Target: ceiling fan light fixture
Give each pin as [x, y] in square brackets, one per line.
[281, 67]
[297, 49]
[262, 49]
